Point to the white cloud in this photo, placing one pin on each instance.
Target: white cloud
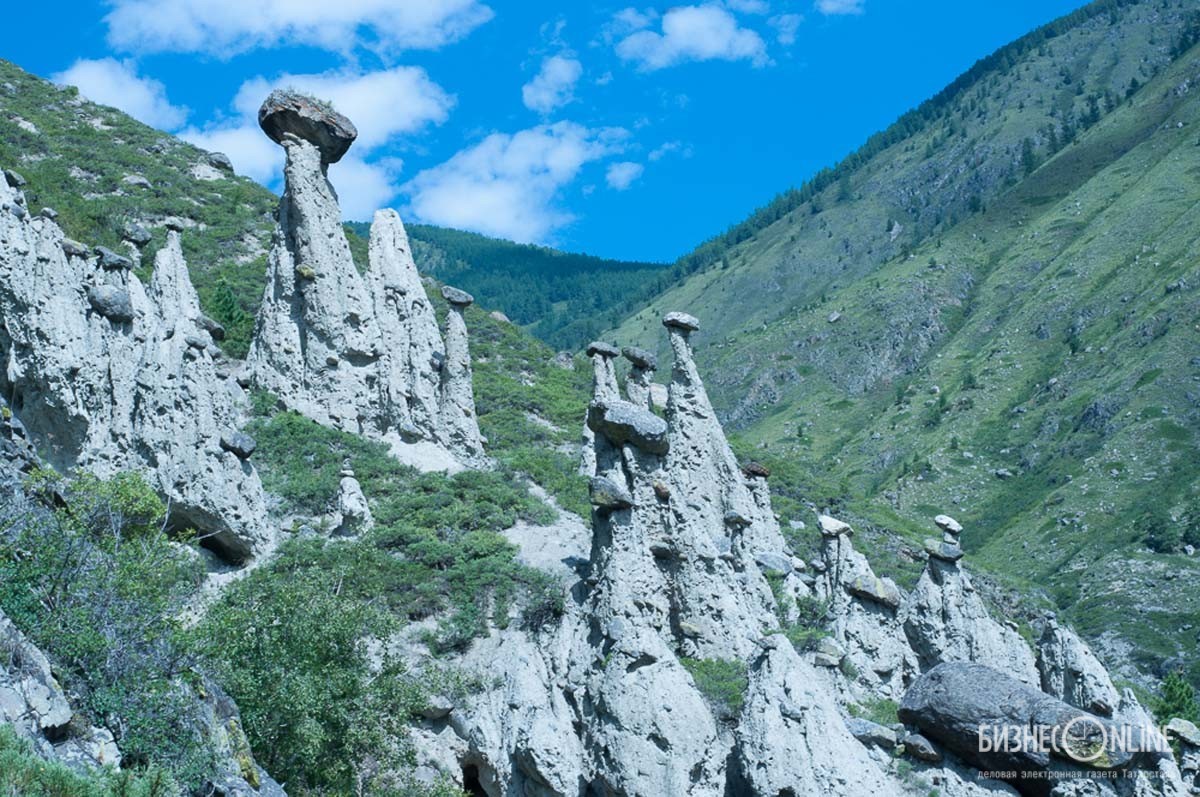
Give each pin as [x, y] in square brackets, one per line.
[621, 175]
[749, 6]
[116, 83]
[625, 22]
[554, 84]
[667, 148]
[785, 26]
[508, 184]
[362, 187]
[693, 33]
[832, 7]
[227, 27]
[382, 105]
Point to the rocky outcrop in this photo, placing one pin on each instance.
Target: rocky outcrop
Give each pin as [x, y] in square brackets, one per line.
[108, 375]
[34, 704]
[946, 620]
[353, 515]
[358, 352]
[687, 574]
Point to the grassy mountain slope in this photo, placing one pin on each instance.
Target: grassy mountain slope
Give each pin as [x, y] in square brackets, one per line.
[996, 318]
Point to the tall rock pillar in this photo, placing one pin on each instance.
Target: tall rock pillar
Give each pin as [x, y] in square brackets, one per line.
[604, 389]
[460, 429]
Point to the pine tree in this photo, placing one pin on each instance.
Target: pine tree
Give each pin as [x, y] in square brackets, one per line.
[1176, 699]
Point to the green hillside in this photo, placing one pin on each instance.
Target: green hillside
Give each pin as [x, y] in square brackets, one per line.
[991, 311]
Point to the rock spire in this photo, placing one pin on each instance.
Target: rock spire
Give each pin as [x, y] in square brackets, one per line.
[108, 375]
[359, 352]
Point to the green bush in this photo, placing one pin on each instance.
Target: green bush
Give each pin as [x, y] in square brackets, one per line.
[96, 584]
[1176, 698]
[723, 684]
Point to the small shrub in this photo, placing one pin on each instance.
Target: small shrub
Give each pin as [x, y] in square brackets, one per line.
[723, 684]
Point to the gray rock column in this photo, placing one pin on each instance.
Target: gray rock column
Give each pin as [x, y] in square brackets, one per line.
[411, 344]
[604, 389]
[316, 341]
[460, 429]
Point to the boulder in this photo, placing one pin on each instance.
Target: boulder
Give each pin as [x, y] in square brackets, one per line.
[13, 178]
[948, 524]
[774, 563]
[756, 470]
[111, 302]
[607, 494]
[108, 259]
[49, 213]
[921, 748]
[832, 527]
[457, 297]
[880, 590]
[220, 160]
[945, 551]
[240, 444]
[871, 733]
[956, 702]
[622, 422]
[74, 248]
[135, 233]
[603, 349]
[641, 358]
[287, 112]
[682, 321]
[210, 326]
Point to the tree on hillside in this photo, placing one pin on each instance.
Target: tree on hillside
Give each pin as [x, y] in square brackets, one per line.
[1177, 698]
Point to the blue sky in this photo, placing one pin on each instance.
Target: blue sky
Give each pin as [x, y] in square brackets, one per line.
[630, 131]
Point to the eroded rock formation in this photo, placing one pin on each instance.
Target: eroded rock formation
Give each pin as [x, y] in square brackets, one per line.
[108, 375]
[687, 571]
[359, 352]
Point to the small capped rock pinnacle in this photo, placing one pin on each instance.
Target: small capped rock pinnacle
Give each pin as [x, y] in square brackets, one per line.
[285, 111]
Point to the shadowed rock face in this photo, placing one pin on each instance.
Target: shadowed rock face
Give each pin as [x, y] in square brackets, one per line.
[288, 112]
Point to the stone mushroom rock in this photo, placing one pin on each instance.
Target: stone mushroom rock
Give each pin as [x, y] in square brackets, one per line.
[945, 619]
[948, 524]
[457, 297]
[604, 389]
[287, 112]
[353, 512]
[791, 738]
